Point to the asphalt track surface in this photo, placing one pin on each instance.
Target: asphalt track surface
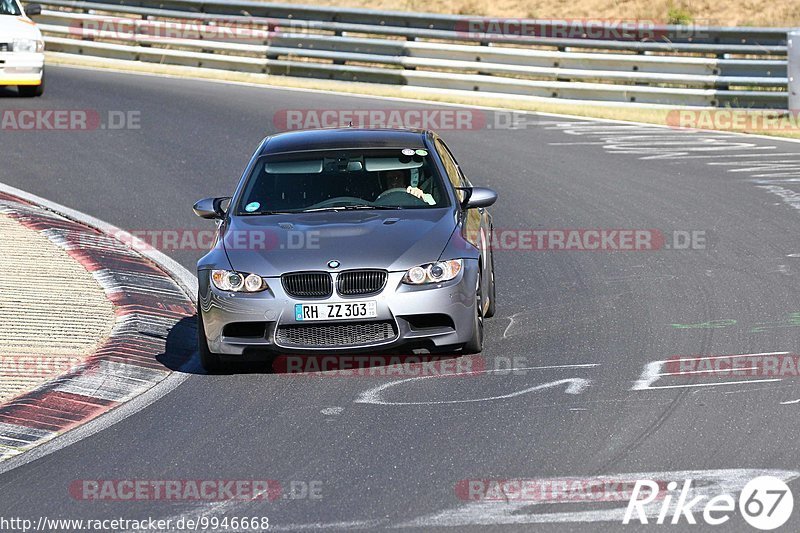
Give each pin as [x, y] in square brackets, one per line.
[382, 466]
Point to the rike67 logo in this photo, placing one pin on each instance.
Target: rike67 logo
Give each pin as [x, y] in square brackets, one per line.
[765, 503]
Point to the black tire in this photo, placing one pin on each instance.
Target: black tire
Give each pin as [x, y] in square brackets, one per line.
[475, 344]
[31, 91]
[491, 309]
[209, 360]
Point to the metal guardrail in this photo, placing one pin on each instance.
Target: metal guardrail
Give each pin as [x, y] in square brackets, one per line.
[708, 66]
[432, 21]
[793, 44]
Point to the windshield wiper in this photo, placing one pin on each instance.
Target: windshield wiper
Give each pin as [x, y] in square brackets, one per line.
[365, 206]
[317, 209]
[350, 208]
[246, 214]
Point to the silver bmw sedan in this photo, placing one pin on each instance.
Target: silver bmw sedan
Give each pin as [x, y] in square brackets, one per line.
[346, 241]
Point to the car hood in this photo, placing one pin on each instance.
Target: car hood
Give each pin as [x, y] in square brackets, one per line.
[18, 28]
[393, 240]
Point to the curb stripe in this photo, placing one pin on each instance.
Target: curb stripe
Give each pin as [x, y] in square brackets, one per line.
[148, 304]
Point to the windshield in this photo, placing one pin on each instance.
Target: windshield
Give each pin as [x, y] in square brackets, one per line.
[400, 178]
[9, 7]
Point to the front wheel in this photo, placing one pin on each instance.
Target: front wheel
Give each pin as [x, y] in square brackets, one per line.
[31, 91]
[475, 344]
[209, 360]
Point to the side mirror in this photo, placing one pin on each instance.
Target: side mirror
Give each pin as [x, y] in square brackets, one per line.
[478, 197]
[212, 207]
[33, 10]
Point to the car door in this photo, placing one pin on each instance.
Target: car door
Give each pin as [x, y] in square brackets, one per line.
[477, 221]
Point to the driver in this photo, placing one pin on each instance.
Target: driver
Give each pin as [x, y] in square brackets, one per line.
[399, 179]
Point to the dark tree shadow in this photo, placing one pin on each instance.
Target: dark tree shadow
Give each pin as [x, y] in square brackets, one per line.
[181, 346]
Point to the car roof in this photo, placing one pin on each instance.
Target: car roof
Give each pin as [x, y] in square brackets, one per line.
[343, 138]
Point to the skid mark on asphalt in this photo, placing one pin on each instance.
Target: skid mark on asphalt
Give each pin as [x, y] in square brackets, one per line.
[555, 320]
[532, 322]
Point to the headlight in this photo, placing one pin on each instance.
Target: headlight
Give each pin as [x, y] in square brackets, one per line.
[27, 45]
[433, 272]
[227, 280]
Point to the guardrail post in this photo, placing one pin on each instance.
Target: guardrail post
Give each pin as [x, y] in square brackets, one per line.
[793, 69]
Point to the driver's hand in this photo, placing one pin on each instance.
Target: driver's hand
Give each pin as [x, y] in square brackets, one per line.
[415, 191]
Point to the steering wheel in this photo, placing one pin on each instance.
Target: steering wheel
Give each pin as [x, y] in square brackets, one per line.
[343, 200]
[398, 196]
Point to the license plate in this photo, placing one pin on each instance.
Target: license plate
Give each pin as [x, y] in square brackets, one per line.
[336, 311]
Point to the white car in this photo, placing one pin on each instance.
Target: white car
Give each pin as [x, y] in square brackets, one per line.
[21, 49]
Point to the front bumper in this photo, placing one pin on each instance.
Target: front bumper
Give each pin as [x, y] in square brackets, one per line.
[21, 68]
[408, 310]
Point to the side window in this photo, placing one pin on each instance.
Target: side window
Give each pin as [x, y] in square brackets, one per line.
[450, 165]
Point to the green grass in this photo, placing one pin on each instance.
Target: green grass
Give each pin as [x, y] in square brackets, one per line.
[678, 15]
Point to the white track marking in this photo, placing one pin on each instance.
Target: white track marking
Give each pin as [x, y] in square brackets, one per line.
[731, 156]
[652, 372]
[789, 196]
[649, 143]
[695, 385]
[702, 358]
[708, 483]
[182, 276]
[574, 386]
